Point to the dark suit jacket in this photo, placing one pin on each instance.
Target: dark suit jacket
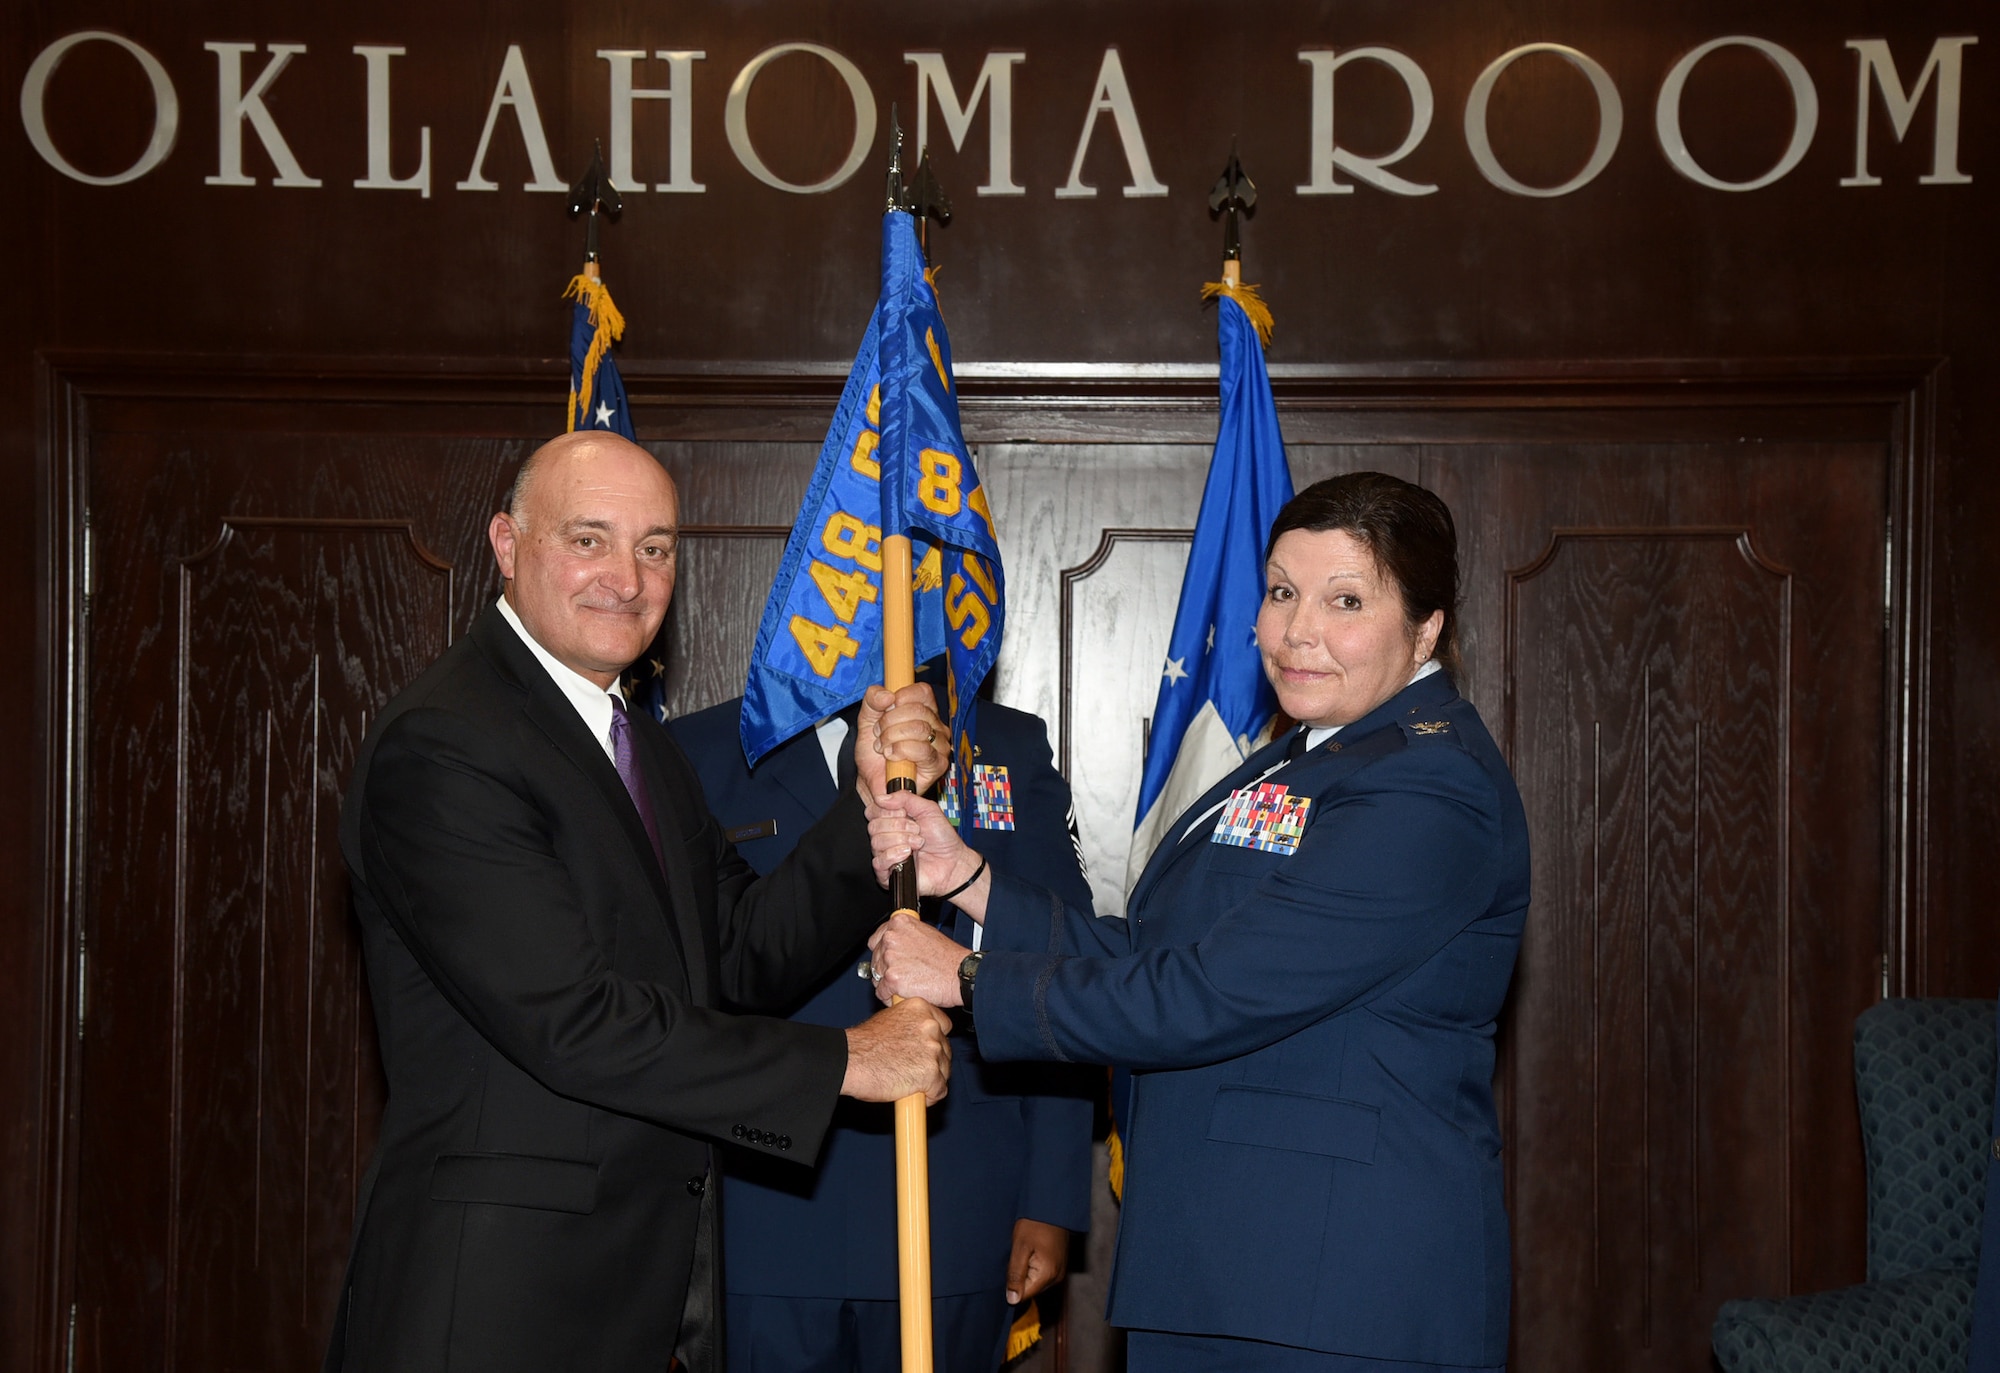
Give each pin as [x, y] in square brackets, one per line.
[547, 1000]
[1012, 1140]
[1313, 1156]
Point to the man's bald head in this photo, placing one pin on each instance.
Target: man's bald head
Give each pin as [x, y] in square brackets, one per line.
[587, 545]
[582, 444]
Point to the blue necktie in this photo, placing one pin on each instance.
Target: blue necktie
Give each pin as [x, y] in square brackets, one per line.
[626, 760]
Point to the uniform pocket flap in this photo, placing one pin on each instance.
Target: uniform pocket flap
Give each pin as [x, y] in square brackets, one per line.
[1292, 1120]
[547, 1184]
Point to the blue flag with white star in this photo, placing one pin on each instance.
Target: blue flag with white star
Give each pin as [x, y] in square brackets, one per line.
[1214, 701]
[894, 462]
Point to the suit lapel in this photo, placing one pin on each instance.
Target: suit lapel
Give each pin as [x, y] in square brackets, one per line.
[670, 809]
[799, 766]
[556, 718]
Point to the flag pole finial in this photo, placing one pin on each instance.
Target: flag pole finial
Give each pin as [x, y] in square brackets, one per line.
[928, 201]
[593, 194]
[1233, 195]
[897, 195]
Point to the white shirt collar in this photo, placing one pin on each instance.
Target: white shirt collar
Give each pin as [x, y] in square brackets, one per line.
[592, 701]
[1317, 736]
[832, 732]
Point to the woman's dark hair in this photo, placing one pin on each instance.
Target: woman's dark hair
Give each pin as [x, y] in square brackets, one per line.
[1408, 529]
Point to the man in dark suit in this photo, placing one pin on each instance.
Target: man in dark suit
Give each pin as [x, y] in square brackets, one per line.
[809, 1259]
[551, 921]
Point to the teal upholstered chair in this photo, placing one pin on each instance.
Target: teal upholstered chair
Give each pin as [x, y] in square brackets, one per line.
[1924, 1072]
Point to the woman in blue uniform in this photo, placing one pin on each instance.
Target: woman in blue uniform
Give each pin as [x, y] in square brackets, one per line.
[1306, 986]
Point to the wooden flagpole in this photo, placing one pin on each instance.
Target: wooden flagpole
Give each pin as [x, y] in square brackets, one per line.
[913, 1168]
[913, 1171]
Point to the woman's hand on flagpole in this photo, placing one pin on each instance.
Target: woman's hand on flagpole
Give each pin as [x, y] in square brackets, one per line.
[901, 825]
[916, 960]
[901, 725]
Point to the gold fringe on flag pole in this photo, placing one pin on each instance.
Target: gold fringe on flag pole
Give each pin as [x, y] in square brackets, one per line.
[1245, 295]
[596, 297]
[1024, 1334]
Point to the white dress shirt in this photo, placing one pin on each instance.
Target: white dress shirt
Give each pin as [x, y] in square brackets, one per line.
[592, 701]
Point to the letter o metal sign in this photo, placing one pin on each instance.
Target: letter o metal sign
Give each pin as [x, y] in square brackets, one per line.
[1805, 113]
[166, 108]
[736, 124]
[1610, 121]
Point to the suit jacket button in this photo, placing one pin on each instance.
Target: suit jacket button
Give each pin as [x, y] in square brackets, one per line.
[697, 1184]
[739, 1132]
[784, 1141]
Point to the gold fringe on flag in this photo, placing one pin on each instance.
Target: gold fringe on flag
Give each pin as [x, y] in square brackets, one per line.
[1117, 1148]
[1245, 295]
[1025, 1333]
[596, 297]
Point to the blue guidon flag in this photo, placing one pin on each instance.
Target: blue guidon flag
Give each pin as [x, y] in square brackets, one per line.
[1214, 703]
[894, 461]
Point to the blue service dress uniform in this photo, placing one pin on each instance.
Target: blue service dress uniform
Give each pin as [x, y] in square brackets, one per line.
[1306, 990]
[809, 1256]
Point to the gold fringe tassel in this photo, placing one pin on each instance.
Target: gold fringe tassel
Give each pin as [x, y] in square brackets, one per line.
[1025, 1334]
[1245, 295]
[1117, 1165]
[595, 296]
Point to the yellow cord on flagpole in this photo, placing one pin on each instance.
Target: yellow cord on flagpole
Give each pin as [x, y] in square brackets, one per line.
[913, 1171]
[589, 288]
[1245, 295]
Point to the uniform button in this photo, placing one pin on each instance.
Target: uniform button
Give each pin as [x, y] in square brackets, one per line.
[697, 1184]
[739, 1132]
[784, 1141]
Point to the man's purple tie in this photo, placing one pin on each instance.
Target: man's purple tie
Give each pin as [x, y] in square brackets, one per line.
[626, 760]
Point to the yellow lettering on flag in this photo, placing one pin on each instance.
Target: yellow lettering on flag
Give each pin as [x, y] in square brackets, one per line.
[845, 592]
[939, 490]
[823, 645]
[847, 537]
[937, 359]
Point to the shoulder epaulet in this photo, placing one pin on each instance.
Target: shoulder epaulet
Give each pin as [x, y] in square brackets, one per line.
[1423, 726]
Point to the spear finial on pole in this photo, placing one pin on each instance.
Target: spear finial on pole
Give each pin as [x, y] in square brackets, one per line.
[1234, 194]
[928, 201]
[897, 194]
[594, 194]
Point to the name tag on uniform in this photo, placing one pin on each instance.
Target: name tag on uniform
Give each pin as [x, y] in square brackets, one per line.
[743, 834]
[1266, 817]
[992, 798]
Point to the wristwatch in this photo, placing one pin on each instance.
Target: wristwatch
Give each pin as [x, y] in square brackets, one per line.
[968, 971]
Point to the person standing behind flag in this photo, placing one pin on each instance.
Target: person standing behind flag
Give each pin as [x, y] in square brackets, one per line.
[809, 1259]
[1306, 986]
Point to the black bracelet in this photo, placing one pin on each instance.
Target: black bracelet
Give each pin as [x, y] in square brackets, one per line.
[977, 873]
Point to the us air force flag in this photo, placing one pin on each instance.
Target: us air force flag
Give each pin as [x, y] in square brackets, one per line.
[894, 460]
[1213, 698]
